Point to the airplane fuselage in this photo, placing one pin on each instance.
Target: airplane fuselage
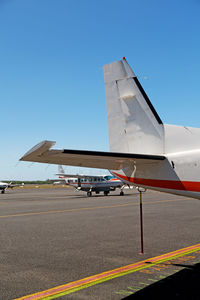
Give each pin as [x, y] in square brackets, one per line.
[179, 174]
[3, 186]
[95, 184]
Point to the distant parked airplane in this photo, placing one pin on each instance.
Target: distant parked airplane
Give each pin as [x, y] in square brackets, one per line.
[92, 183]
[145, 152]
[4, 186]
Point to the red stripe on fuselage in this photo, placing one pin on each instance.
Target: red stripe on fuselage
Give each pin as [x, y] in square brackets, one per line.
[192, 186]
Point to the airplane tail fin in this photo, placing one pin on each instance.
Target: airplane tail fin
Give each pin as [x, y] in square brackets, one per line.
[60, 170]
[61, 174]
[134, 125]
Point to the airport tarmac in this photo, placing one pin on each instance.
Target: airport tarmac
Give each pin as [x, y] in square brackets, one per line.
[56, 243]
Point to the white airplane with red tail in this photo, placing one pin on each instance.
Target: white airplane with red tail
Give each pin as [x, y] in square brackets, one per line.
[143, 151]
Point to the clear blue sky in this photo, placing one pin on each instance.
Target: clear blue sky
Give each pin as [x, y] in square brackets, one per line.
[52, 54]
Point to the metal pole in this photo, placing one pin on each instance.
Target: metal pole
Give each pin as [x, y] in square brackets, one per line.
[141, 224]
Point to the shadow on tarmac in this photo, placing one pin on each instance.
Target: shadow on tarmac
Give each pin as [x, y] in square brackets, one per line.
[101, 195]
[183, 285]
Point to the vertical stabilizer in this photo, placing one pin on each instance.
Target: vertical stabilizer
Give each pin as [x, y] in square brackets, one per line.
[60, 169]
[134, 125]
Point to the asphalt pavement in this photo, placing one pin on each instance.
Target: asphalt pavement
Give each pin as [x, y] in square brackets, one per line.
[50, 237]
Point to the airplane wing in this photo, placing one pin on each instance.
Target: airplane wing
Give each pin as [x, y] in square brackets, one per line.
[77, 175]
[43, 153]
[14, 185]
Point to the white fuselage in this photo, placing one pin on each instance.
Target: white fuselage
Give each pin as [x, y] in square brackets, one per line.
[178, 174]
[94, 184]
[3, 185]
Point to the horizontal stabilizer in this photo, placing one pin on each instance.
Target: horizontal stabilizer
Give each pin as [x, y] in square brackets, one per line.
[82, 158]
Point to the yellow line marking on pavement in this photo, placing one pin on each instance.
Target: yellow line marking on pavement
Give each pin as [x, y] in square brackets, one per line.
[64, 210]
[85, 208]
[71, 287]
